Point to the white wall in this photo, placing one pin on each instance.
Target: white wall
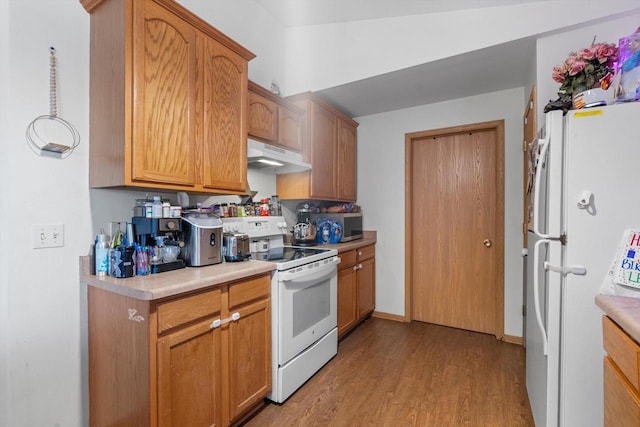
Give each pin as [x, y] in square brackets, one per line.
[250, 25]
[41, 286]
[381, 186]
[554, 49]
[42, 380]
[4, 211]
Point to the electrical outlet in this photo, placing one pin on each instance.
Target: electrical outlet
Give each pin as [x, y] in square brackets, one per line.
[47, 235]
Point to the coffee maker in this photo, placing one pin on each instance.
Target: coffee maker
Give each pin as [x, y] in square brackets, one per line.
[162, 238]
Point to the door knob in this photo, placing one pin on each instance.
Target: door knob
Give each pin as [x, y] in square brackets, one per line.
[487, 243]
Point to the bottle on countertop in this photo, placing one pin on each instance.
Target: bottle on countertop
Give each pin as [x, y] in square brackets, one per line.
[148, 209]
[102, 255]
[156, 208]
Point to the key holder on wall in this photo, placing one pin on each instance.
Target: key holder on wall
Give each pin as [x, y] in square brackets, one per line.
[36, 141]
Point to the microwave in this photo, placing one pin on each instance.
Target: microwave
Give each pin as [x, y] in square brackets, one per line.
[351, 223]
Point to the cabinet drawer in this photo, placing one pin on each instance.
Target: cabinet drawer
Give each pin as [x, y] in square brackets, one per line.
[621, 401]
[347, 259]
[622, 349]
[366, 252]
[176, 312]
[249, 290]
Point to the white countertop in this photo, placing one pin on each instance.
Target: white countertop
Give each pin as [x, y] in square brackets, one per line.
[161, 285]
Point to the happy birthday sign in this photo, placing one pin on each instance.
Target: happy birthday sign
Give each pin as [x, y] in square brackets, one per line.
[627, 269]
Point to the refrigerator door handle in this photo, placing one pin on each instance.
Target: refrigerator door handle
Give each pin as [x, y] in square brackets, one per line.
[538, 178]
[536, 293]
[579, 270]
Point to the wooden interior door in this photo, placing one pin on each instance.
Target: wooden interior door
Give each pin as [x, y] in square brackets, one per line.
[455, 198]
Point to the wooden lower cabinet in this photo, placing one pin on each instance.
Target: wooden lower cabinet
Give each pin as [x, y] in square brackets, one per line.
[190, 377]
[366, 287]
[249, 358]
[347, 299]
[621, 377]
[356, 287]
[202, 359]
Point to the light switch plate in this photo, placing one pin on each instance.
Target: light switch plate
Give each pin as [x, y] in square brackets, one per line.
[47, 236]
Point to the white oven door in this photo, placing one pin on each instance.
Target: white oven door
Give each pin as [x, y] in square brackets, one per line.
[308, 307]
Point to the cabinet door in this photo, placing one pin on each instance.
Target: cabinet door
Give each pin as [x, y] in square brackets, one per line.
[263, 118]
[346, 162]
[189, 377]
[290, 129]
[347, 310]
[249, 357]
[621, 400]
[323, 147]
[164, 78]
[224, 118]
[366, 287]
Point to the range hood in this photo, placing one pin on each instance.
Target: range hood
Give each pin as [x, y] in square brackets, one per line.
[271, 159]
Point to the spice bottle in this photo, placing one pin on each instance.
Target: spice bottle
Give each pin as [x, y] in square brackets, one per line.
[264, 207]
[156, 208]
[166, 209]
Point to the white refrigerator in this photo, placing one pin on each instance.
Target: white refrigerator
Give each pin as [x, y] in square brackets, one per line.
[586, 193]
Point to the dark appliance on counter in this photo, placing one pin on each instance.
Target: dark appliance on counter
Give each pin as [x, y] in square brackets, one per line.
[351, 223]
[163, 236]
[202, 237]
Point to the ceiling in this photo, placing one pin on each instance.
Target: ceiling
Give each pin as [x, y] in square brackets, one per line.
[496, 68]
[292, 13]
[500, 67]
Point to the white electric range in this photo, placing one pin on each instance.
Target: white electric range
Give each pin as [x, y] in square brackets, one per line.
[304, 301]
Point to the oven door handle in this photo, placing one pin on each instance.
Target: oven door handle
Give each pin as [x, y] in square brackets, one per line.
[305, 276]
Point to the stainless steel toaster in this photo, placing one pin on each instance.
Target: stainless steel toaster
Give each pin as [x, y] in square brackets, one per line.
[236, 247]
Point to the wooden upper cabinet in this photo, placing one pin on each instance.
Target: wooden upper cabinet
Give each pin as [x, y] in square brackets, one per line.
[164, 139]
[346, 161]
[224, 121]
[168, 99]
[329, 144]
[263, 117]
[274, 120]
[323, 150]
[290, 127]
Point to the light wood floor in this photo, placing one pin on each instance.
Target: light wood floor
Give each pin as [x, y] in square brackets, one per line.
[389, 373]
